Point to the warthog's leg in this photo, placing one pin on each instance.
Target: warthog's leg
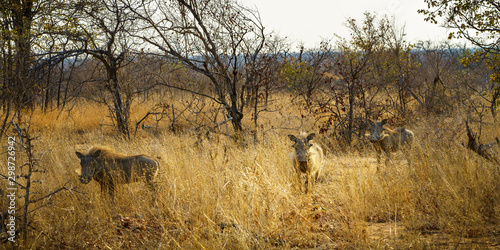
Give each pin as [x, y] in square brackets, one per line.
[111, 191]
[406, 152]
[108, 187]
[153, 187]
[387, 157]
[299, 179]
[379, 154]
[104, 187]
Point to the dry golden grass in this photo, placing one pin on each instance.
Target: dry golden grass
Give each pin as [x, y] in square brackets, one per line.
[215, 194]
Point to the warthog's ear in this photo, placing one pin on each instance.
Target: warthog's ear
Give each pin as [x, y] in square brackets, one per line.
[384, 122]
[79, 155]
[311, 136]
[292, 137]
[97, 153]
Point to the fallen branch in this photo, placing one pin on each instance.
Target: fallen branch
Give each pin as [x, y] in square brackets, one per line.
[483, 150]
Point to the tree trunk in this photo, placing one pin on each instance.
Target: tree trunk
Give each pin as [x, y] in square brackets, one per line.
[22, 19]
[350, 115]
[121, 109]
[59, 86]
[236, 118]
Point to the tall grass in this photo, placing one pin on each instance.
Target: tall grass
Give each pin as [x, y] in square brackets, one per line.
[217, 194]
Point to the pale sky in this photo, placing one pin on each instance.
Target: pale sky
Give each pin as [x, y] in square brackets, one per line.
[310, 21]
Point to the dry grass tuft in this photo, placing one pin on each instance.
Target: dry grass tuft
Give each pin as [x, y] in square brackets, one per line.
[215, 194]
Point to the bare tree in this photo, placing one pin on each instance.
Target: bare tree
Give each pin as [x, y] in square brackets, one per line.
[31, 32]
[401, 62]
[344, 99]
[16, 39]
[104, 27]
[304, 72]
[25, 178]
[220, 39]
[266, 80]
[442, 81]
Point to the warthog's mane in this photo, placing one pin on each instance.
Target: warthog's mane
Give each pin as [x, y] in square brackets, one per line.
[105, 152]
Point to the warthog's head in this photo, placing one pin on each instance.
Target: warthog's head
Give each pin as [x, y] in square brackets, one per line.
[88, 164]
[377, 131]
[301, 146]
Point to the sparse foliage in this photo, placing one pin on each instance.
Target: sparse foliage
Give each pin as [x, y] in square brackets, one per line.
[478, 22]
[303, 73]
[345, 100]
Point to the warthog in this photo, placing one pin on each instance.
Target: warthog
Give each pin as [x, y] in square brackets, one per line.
[109, 168]
[307, 158]
[388, 140]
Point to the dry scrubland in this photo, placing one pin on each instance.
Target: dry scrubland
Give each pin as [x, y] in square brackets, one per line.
[215, 194]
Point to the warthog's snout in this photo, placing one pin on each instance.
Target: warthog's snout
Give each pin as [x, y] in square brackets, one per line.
[376, 137]
[301, 155]
[85, 180]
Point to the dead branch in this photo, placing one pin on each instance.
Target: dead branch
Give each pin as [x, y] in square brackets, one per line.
[483, 150]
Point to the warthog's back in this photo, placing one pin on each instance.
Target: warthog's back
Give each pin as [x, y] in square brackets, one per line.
[393, 141]
[149, 165]
[406, 136]
[131, 168]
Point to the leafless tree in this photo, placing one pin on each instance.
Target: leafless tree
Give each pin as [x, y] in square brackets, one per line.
[267, 78]
[31, 33]
[441, 80]
[104, 28]
[344, 99]
[220, 39]
[25, 178]
[401, 63]
[478, 23]
[16, 19]
[306, 70]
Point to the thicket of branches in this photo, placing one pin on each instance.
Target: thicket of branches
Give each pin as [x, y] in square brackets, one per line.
[116, 52]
